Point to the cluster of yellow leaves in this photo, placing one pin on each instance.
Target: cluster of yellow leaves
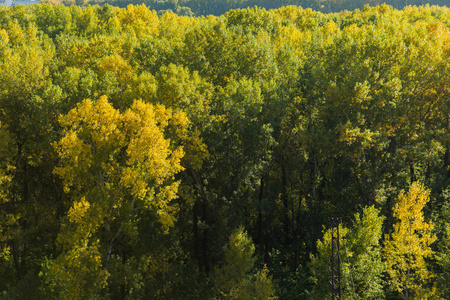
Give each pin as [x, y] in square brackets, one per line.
[139, 20]
[409, 245]
[108, 156]
[79, 271]
[78, 210]
[351, 135]
[119, 67]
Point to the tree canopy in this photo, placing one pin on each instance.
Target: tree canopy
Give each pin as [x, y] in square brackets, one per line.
[158, 155]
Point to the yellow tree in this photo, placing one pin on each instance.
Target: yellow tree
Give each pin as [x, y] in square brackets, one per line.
[113, 166]
[410, 244]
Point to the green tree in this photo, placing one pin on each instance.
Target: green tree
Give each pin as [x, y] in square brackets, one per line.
[443, 259]
[237, 280]
[8, 219]
[29, 104]
[361, 265]
[364, 274]
[320, 264]
[441, 217]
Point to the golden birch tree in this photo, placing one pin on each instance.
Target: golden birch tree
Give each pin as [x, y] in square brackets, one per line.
[408, 246]
[113, 165]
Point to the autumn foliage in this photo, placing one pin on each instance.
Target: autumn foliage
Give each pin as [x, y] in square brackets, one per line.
[148, 155]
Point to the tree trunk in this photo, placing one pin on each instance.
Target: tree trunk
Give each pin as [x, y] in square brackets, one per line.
[260, 216]
[195, 233]
[205, 241]
[16, 258]
[266, 225]
[200, 245]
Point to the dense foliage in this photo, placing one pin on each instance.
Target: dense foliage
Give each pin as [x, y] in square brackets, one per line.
[219, 7]
[173, 157]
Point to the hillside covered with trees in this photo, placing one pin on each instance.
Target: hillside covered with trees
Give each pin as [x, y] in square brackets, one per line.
[219, 7]
[173, 157]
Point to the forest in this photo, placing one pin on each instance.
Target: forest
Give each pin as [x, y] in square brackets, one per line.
[162, 156]
[219, 7]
